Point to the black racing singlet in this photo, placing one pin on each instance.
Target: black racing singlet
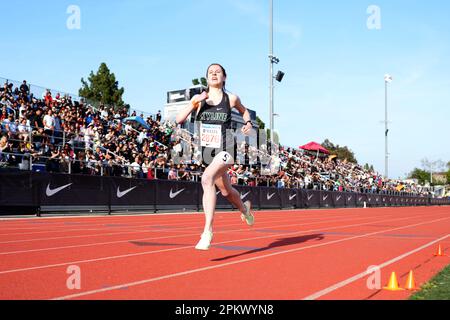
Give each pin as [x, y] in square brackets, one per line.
[212, 124]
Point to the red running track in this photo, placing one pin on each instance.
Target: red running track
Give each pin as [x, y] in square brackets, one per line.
[287, 255]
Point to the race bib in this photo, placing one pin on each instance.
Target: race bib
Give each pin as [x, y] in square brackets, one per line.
[211, 135]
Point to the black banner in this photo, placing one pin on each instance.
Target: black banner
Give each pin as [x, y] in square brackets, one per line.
[361, 199]
[311, 198]
[72, 190]
[291, 198]
[350, 200]
[249, 193]
[326, 199]
[177, 194]
[338, 199]
[269, 198]
[132, 192]
[65, 192]
[18, 189]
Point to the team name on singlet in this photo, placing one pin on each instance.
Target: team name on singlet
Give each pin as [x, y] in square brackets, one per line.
[213, 116]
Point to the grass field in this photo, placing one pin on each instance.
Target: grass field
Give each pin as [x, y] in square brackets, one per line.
[437, 289]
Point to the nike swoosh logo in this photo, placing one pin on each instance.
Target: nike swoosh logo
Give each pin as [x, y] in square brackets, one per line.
[51, 192]
[338, 198]
[217, 193]
[359, 199]
[349, 198]
[270, 196]
[121, 194]
[245, 195]
[173, 195]
[310, 197]
[325, 198]
[292, 197]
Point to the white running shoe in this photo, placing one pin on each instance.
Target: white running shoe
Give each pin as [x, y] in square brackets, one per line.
[248, 216]
[205, 241]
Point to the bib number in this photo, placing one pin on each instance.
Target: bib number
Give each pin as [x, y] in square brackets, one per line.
[211, 135]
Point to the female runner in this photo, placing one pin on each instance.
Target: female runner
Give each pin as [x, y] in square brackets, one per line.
[213, 118]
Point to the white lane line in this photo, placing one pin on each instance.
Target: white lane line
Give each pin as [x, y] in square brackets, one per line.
[169, 276]
[176, 236]
[341, 284]
[63, 226]
[146, 231]
[181, 248]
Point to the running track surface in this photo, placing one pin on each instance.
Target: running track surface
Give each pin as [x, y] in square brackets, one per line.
[287, 255]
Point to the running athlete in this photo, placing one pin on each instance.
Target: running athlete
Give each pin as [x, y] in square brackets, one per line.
[213, 118]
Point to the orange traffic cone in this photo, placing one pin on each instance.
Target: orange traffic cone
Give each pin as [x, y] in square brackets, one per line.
[393, 283]
[439, 252]
[410, 283]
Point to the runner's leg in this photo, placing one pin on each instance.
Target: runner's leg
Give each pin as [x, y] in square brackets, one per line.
[216, 169]
[230, 193]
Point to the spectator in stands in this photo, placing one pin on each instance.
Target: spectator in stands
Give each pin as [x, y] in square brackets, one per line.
[10, 126]
[24, 130]
[136, 169]
[24, 88]
[49, 125]
[172, 174]
[53, 162]
[5, 147]
[158, 116]
[48, 99]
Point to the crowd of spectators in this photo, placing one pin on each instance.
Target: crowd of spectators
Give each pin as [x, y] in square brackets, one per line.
[58, 134]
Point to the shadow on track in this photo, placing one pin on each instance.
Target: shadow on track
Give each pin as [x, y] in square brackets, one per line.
[277, 244]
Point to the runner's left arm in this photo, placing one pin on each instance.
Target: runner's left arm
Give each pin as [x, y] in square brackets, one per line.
[245, 114]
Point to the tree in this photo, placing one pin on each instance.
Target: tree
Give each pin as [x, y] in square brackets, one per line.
[341, 152]
[102, 88]
[420, 175]
[260, 123]
[448, 176]
[202, 80]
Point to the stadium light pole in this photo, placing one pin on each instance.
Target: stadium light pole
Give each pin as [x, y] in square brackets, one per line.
[279, 77]
[271, 58]
[387, 79]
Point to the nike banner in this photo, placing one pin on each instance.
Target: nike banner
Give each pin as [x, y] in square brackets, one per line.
[177, 194]
[311, 198]
[30, 191]
[269, 198]
[338, 199]
[291, 198]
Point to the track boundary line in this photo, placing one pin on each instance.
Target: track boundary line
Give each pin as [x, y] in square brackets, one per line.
[179, 235]
[343, 283]
[136, 231]
[169, 276]
[191, 246]
[140, 225]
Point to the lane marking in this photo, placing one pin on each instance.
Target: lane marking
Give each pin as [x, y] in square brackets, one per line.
[343, 283]
[169, 276]
[193, 227]
[182, 235]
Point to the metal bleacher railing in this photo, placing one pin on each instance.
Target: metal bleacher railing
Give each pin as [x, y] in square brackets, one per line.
[39, 93]
[22, 158]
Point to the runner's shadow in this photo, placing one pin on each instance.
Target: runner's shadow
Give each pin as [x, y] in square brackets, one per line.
[276, 244]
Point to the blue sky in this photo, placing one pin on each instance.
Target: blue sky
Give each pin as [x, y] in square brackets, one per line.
[334, 64]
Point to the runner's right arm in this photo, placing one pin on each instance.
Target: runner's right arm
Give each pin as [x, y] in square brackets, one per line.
[194, 104]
